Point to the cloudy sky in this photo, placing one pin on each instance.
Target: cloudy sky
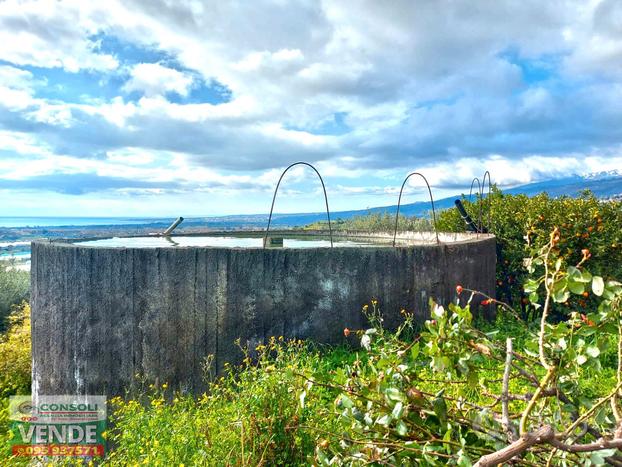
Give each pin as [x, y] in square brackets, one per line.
[166, 107]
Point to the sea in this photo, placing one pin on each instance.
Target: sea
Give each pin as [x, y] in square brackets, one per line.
[12, 222]
[19, 254]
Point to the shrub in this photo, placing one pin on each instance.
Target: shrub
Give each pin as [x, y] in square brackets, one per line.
[460, 396]
[376, 222]
[15, 357]
[14, 289]
[583, 222]
[15, 367]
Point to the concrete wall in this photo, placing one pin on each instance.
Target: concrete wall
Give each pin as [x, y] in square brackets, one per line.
[102, 315]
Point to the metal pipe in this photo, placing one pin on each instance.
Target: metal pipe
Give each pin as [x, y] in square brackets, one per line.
[465, 216]
[172, 227]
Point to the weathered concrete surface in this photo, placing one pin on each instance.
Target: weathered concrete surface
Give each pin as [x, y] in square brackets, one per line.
[102, 315]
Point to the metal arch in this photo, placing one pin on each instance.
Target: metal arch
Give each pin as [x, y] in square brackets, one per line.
[479, 201]
[399, 202]
[479, 187]
[277, 189]
[487, 173]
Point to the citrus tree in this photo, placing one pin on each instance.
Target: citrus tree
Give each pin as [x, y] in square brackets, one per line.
[456, 395]
[583, 222]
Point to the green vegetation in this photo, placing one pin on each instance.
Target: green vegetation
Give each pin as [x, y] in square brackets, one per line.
[583, 222]
[375, 222]
[448, 392]
[14, 289]
[260, 414]
[15, 366]
[458, 394]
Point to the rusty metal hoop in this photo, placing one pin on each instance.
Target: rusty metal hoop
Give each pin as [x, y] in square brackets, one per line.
[487, 173]
[479, 206]
[277, 189]
[479, 187]
[399, 202]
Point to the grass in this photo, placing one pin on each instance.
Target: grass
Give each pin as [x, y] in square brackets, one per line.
[251, 416]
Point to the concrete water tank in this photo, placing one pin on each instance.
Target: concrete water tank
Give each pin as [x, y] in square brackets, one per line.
[104, 311]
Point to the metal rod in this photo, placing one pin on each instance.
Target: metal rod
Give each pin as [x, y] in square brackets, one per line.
[487, 173]
[479, 187]
[172, 227]
[479, 205]
[277, 189]
[399, 202]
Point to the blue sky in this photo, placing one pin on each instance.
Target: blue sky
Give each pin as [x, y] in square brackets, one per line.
[194, 108]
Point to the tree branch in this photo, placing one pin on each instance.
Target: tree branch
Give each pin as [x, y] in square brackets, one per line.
[587, 447]
[536, 395]
[542, 435]
[509, 427]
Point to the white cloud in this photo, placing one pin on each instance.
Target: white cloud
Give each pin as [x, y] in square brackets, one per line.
[15, 78]
[153, 79]
[438, 86]
[597, 44]
[512, 172]
[51, 34]
[130, 156]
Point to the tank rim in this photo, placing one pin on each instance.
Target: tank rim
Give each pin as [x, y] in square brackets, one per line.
[405, 239]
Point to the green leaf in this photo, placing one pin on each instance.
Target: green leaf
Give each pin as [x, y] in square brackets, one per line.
[394, 394]
[440, 409]
[593, 351]
[321, 456]
[561, 295]
[463, 460]
[560, 291]
[579, 276]
[574, 273]
[598, 285]
[531, 286]
[344, 402]
[576, 288]
[562, 343]
[598, 457]
[385, 420]
[414, 350]
[614, 286]
[586, 277]
[401, 428]
[398, 410]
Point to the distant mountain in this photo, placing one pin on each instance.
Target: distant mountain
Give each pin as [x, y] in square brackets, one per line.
[605, 185]
[602, 184]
